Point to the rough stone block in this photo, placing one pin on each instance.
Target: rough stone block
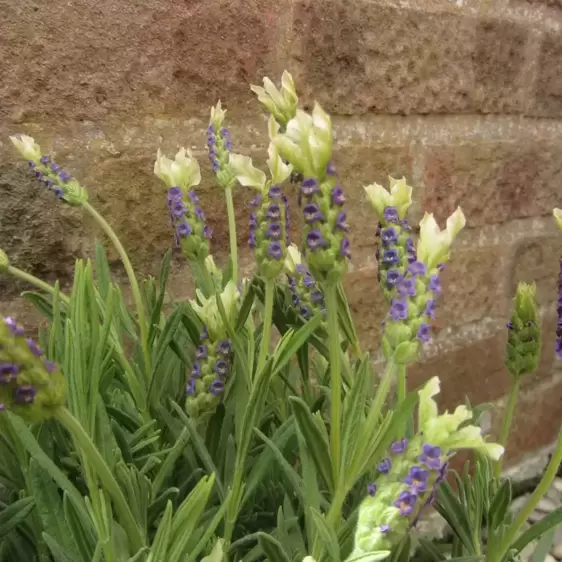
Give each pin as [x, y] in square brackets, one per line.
[493, 182]
[547, 100]
[369, 56]
[86, 60]
[537, 260]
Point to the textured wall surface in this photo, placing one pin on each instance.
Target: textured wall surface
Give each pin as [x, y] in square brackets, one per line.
[463, 97]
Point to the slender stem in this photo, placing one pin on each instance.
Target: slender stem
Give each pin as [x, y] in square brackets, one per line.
[402, 385]
[335, 379]
[132, 281]
[510, 410]
[232, 233]
[32, 280]
[105, 475]
[267, 320]
[543, 487]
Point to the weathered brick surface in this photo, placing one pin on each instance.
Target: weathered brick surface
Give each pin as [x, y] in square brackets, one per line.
[87, 60]
[549, 3]
[367, 56]
[547, 100]
[493, 182]
[538, 261]
[536, 422]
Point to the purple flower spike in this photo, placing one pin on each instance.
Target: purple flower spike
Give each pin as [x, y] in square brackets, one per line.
[338, 198]
[201, 352]
[196, 370]
[407, 288]
[384, 529]
[393, 278]
[51, 366]
[183, 229]
[45, 160]
[344, 249]
[341, 222]
[372, 489]
[417, 479]
[24, 394]
[315, 240]
[275, 192]
[207, 231]
[390, 257]
[275, 250]
[193, 196]
[34, 348]
[430, 309]
[274, 231]
[253, 221]
[399, 309]
[330, 169]
[316, 296]
[65, 176]
[190, 387]
[431, 456]
[510, 325]
[204, 334]
[308, 280]
[558, 348]
[273, 211]
[389, 236]
[410, 246]
[399, 447]
[384, 466]
[391, 214]
[424, 333]
[199, 213]
[312, 213]
[8, 373]
[435, 285]
[417, 268]
[406, 503]
[252, 240]
[442, 473]
[216, 387]
[56, 168]
[13, 327]
[309, 187]
[221, 368]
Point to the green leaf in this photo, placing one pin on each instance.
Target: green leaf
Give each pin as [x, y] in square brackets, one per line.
[535, 531]
[246, 307]
[103, 272]
[162, 282]
[327, 535]
[272, 548]
[543, 547]
[81, 529]
[58, 552]
[500, 505]
[346, 320]
[159, 549]
[50, 510]
[208, 535]
[315, 441]
[370, 556]
[431, 550]
[14, 514]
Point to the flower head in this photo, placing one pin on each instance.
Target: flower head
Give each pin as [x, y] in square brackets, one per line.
[282, 104]
[219, 144]
[182, 172]
[399, 198]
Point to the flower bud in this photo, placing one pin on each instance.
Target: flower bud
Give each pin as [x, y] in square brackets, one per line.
[434, 244]
[524, 336]
[30, 385]
[50, 174]
[220, 145]
[558, 217]
[409, 476]
[4, 261]
[281, 104]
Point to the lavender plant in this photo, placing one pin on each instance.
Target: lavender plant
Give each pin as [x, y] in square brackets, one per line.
[185, 434]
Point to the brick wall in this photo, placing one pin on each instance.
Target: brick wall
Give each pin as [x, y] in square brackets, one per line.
[464, 97]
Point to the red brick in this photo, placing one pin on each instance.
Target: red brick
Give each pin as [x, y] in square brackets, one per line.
[538, 261]
[493, 182]
[547, 100]
[368, 56]
[88, 60]
[537, 420]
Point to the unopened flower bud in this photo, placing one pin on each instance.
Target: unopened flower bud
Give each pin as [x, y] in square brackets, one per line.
[281, 104]
[220, 146]
[4, 261]
[50, 174]
[30, 385]
[524, 334]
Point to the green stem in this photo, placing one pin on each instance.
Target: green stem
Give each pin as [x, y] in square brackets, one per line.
[132, 281]
[232, 233]
[105, 475]
[335, 379]
[267, 321]
[402, 385]
[543, 487]
[32, 280]
[510, 410]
